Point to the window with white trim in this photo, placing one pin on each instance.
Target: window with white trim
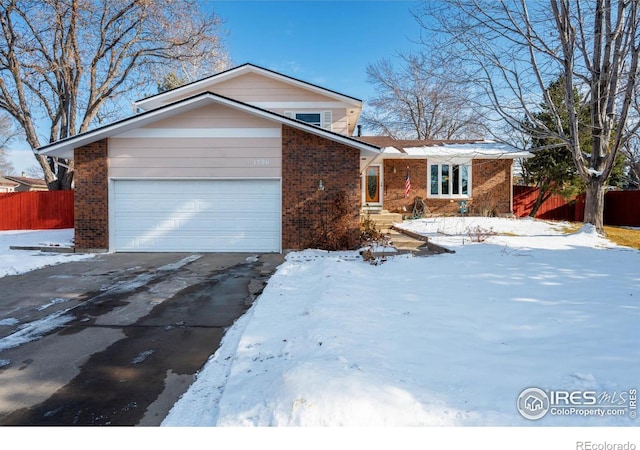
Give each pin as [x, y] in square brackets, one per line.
[311, 118]
[319, 119]
[449, 180]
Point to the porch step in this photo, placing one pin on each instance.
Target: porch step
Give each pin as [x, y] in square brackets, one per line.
[382, 220]
[407, 240]
[404, 242]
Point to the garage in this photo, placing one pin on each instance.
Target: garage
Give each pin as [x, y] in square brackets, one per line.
[236, 215]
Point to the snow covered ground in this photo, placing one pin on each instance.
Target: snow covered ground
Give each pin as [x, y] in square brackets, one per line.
[13, 262]
[448, 340]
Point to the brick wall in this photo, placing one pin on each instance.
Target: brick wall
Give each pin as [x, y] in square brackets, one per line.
[394, 199]
[491, 187]
[313, 218]
[91, 197]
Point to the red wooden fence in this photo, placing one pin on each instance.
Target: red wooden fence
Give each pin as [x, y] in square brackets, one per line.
[555, 208]
[36, 210]
[620, 207]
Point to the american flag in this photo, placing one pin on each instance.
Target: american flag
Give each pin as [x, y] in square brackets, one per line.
[407, 185]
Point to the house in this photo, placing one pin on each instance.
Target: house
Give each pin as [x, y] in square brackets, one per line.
[23, 184]
[7, 185]
[247, 160]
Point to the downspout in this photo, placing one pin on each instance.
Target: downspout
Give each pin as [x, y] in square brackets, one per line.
[511, 189]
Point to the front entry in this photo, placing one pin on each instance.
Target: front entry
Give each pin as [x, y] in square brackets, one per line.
[372, 187]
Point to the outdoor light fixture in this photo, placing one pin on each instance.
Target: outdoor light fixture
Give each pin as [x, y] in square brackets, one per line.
[320, 186]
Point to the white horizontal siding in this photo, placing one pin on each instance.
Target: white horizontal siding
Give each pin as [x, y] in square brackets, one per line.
[259, 88]
[196, 172]
[250, 148]
[187, 133]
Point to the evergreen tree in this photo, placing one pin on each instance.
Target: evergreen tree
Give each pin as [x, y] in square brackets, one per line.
[552, 168]
[171, 81]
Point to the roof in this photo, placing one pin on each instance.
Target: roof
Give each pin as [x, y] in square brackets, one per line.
[388, 141]
[8, 183]
[205, 83]
[64, 148]
[35, 182]
[443, 149]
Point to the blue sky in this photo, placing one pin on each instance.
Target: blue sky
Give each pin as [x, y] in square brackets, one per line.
[329, 43]
[325, 42]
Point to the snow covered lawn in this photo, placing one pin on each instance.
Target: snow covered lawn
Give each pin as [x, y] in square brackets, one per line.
[13, 262]
[447, 340]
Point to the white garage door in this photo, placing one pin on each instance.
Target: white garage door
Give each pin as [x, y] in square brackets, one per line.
[196, 215]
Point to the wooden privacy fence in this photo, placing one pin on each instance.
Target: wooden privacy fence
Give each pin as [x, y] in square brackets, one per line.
[620, 207]
[555, 208]
[36, 210]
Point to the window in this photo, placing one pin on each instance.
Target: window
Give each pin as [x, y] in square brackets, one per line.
[449, 180]
[318, 119]
[311, 118]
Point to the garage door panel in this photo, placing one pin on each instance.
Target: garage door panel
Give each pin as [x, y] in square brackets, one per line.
[197, 215]
[222, 243]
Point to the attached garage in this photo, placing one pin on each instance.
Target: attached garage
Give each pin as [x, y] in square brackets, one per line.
[196, 215]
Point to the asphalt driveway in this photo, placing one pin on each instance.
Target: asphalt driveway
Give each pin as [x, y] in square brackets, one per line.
[116, 339]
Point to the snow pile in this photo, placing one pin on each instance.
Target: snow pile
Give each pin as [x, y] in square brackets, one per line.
[14, 262]
[442, 340]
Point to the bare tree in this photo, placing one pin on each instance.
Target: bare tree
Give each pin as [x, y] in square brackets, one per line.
[65, 64]
[6, 168]
[631, 151]
[415, 102]
[510, 50]
[7, 133]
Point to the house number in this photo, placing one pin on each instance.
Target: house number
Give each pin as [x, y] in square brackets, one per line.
[261, 162]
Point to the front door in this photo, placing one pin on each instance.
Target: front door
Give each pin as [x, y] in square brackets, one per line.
[371, 185]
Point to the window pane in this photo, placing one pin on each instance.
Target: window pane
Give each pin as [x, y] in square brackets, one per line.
[312, 118]
[444, 182]
[373, 193]
[434, 179]
[465, 180]
[456, 179]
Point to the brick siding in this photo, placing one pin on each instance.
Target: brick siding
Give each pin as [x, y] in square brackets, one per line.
[393, 193]
[491, 188]
[91, 197]
[313, 218]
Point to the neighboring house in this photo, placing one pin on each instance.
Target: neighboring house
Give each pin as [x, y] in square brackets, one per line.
[26, 184]
[248, 160]
[7, 185]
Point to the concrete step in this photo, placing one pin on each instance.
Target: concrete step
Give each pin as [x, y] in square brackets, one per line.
[407, 242]
[382, 219]
[415, 242]
[403, 242]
